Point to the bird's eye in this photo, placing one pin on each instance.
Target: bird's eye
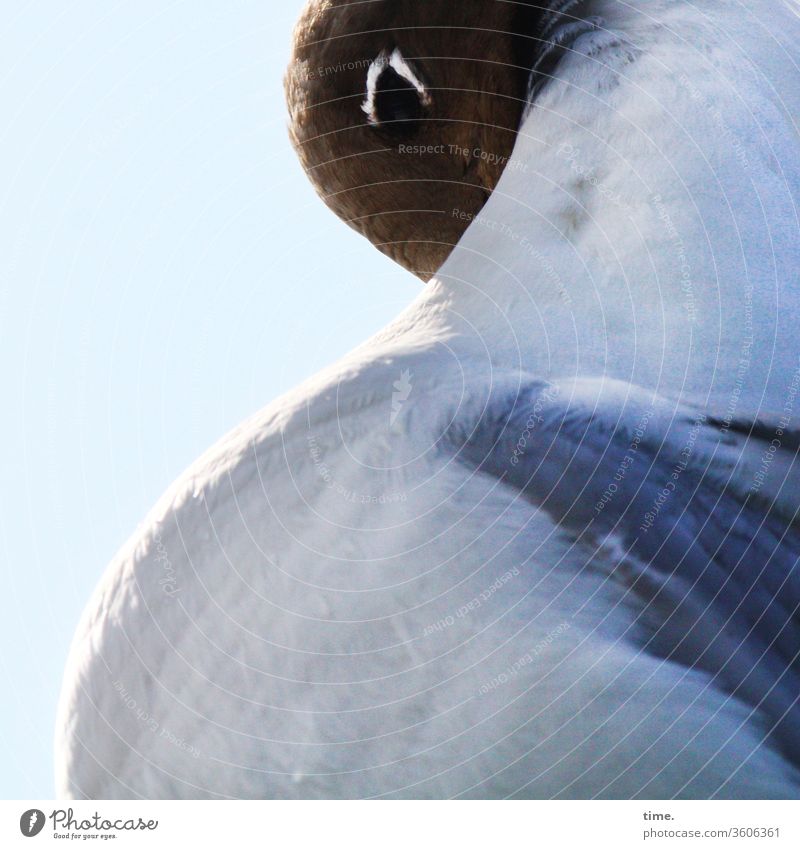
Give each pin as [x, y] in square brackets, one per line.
[396, 97]
[396, 100]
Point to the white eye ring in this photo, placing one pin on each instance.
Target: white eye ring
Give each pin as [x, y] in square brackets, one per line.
[396, 61]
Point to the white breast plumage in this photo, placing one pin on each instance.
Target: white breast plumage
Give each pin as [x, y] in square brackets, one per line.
[538, 538]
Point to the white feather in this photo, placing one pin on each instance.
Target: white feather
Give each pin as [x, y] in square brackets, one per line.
[347, 598]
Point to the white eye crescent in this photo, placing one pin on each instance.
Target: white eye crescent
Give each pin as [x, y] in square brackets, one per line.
[396, 65]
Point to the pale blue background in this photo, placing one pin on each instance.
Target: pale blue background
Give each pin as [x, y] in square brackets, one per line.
[165, 270]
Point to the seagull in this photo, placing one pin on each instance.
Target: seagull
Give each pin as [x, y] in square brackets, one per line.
[538, 537]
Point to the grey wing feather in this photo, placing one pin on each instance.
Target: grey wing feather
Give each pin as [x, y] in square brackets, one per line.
[702, 516]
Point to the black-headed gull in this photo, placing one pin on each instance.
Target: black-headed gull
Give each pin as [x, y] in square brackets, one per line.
[538, 537]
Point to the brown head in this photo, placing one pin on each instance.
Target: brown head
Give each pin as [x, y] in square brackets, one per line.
[404, 113]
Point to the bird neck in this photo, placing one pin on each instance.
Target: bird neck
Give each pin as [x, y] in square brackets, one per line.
[645, 226]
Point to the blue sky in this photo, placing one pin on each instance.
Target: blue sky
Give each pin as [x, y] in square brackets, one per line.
[165, 270]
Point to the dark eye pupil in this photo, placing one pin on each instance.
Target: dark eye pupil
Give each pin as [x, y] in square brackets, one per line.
[397, 104]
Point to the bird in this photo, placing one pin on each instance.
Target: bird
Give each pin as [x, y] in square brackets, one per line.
[538, 537]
